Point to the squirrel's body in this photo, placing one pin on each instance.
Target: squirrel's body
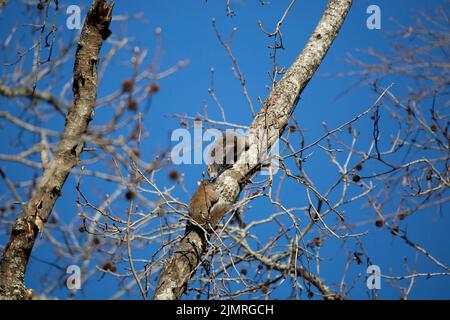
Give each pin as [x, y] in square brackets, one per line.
[225, 151]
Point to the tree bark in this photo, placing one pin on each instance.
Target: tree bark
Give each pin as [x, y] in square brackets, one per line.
[36, 211]
[272, 119]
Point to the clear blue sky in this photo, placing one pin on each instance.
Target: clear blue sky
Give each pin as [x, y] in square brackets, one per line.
[187, 34]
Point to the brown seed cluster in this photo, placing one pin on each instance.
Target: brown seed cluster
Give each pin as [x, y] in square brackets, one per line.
[173, 175]
[130, 195]
[153, 88]
[127, 86]
[379, 223]
[132, 105]
[109, 266]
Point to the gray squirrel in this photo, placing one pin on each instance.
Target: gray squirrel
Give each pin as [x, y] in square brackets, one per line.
[224, 152]
[204, 207]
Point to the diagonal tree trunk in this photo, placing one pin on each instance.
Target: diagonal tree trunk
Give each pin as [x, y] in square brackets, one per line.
[36, 211]
[273, 119]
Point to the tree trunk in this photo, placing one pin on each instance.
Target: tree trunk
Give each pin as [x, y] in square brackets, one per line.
[36, 211]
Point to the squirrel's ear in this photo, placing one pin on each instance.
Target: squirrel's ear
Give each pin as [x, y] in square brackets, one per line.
[247, 144]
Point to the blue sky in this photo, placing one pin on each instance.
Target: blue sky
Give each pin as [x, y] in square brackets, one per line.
[187, 33]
